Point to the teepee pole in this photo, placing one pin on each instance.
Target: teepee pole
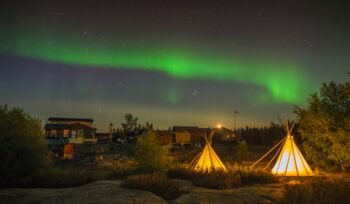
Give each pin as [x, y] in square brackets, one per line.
[200, 153]
[302, 161]
[285, 171]
[211, 159]
[295, 161]
[261, 158]
[277, 153]
[291, 129]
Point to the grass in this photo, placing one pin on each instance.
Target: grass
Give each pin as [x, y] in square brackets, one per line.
[156, 183]
[317, 191]
[256, 176]
[58, 177]
[217, 180]
[222, 180]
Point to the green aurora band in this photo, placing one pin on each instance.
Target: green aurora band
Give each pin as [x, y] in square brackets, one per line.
[285, 82]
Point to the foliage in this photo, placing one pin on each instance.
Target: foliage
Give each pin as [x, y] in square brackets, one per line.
[129, 125]
[22, 146]
[216, 180]
[155, 183]
[317, 191]
[325, 126]
[222, 180]
[181, 173]
[149, 154]
[256, 176]
[70, 176]
[263, 135]
[242, 151]
[61, 177]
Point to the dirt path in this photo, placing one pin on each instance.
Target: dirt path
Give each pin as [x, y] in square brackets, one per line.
[110, 192]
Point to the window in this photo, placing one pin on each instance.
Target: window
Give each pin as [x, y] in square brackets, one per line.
[65, 133]
[73, 133]
[53, 133]
[80, 132]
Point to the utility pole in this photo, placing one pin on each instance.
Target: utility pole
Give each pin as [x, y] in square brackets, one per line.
[235, 112]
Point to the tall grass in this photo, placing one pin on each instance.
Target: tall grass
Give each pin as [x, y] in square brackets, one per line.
[234, 177]
[68, 177]
[156, 183]
[317, 191]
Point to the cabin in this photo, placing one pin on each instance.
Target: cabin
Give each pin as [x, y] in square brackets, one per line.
[165, 137]
[103, 137]
[62, 134]
[189, 134]
[224, 135]
[75, 130]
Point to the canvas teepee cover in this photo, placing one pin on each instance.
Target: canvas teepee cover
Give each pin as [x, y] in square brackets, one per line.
[207, 160]
[290, 161]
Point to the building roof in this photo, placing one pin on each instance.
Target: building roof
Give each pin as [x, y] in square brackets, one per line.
[51, 119]
[102, 134]
[49, 126]
[56, 126]
[185, 128]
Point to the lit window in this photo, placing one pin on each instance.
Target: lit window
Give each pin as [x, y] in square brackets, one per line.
[74, 133]
[65, 133]
[53, 133]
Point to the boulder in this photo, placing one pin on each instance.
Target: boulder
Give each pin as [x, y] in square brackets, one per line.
[97, 192]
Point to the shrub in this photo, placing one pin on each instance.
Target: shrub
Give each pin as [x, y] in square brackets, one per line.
[256, 176]
[317, 191]
[60, 178]
[150, 155]
[242, 151]
[235, 176]
[23, 148]
[216, 180]
[155, 183]
[181, 173]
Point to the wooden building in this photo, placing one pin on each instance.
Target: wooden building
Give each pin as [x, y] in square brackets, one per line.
[76, 130]
[62, 134]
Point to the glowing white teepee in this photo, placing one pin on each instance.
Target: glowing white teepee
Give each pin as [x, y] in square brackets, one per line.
[290, 161]
[207, 160]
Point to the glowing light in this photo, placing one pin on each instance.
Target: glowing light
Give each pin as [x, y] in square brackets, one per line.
[290, 161]
[219, 126]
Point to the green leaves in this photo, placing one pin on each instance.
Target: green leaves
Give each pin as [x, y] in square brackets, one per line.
[325, 126]
[22, 146]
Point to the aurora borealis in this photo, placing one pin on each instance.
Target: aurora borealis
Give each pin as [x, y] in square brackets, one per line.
[169, 63]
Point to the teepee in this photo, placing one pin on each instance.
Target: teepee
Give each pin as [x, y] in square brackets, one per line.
[290, 161]
[207, 160]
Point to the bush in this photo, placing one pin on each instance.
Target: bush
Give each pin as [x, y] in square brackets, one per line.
[317, 191]
[256, 176]
[216, 180]
[242, 151]
[155, 183]
[222, 180]
[61, 178]
[23, 148]
[181, 173]
[150, 155]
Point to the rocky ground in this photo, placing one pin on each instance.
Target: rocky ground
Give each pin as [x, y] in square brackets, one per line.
[110, 192]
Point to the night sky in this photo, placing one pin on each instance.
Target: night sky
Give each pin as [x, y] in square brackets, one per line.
[170, 62]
